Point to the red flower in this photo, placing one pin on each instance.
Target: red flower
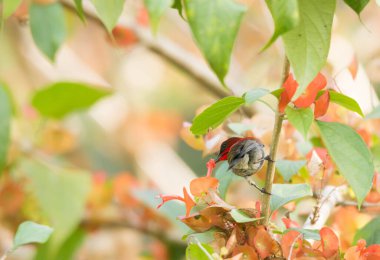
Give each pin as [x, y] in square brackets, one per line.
[186, 199]
[308, 97]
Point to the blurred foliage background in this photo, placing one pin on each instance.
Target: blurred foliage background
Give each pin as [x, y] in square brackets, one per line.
[92, 171]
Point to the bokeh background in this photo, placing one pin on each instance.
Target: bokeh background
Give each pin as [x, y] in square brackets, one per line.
[94, 174]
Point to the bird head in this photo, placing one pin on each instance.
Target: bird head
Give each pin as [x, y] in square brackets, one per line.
[226, 147]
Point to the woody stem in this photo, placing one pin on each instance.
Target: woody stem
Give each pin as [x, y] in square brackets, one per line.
[273, 151]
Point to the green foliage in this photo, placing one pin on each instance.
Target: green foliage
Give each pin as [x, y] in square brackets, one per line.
[254, 94]
[178, 5]
[241, 217]
[215, 114]
[109, 11]
[61, 194]
[375, 113]
[205, 237]
[30, 232]
[285, 16]
[308, 44]
[307, 233]
[5, 116]
[351, 156]
[47, 25]
[225, 178]
[284, 193]
[301, 119]
[79, 7]
[199, 251]
[62, 98]
[345, 101]
[156, 9]
[288, 168]
[215, 25]
[357, 5]
[370, 232]
[9, 7]
[375, 150]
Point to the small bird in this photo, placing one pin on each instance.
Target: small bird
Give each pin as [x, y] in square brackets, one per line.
[245, 157]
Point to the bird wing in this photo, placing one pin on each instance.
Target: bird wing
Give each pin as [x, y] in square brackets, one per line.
[240, 150]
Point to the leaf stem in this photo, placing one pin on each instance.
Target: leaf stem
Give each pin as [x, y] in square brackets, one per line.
[273, 151]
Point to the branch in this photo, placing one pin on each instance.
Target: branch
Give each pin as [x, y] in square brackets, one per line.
[173, 54]
[330, 197]
[354, 203]
[273, 151]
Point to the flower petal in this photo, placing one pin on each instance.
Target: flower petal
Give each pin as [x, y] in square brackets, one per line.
[307, 98]
[292, 239]
[202, 185]
[188, 201]
[322, 104]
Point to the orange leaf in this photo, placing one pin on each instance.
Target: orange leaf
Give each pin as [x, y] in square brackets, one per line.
[322, 104]
[263, 243]
[202, 185]
[247, 251]
[290, 223]
[122, 185]
[290, 240]
[307, 98]
[124, 36]
[330, 242]
[352, 253]
[353, 67]
[372, 252]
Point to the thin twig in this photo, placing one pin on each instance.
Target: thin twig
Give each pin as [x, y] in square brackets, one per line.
[173, 54]
[354, 203]
[273, 151]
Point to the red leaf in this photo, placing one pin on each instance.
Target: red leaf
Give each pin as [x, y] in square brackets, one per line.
[202, 185]
[372, 252]
[292, 239]
[322, 104]
[307, 98]
[290, 223]
[263, 243]
[188, 201]
[290, 86]
[330, 242]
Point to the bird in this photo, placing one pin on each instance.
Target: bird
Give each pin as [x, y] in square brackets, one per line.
[245, 156]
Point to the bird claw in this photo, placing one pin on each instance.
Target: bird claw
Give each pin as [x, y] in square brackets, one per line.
[265, 192]
[262, 190]
[267, 158]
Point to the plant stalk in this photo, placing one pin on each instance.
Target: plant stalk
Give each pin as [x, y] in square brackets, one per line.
[273, 150]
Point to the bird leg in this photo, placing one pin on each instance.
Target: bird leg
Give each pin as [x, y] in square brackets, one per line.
[267, 158]
[252, 183]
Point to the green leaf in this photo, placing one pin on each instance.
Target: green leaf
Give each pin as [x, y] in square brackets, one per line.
[351, 156]
[307, 233]
[241, 217]
[375, 113]
[205, 237]
[300, 118]
[5, 122]
[288, 168]
[254, 94]
[79, 7]
[284, 193]
[277, 92]
[178, 5]
[375, 150]
[215, 114]
[285, 16]
[61, 195]
[47, 25]
[357, 5]
[345, 101]
[215, 25]
[199, 251]
[9, 7]
[156, 9]
[109, 11]
[308, 44]
[225, 178]
[370, 232]
[30, 232]
[62, 98]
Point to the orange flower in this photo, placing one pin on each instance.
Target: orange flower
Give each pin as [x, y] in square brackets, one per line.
[186, 199]
[307, 98]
